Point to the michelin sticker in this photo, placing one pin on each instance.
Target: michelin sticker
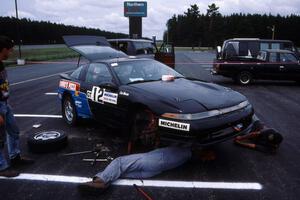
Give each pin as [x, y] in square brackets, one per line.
[174, 125]
[99, 95]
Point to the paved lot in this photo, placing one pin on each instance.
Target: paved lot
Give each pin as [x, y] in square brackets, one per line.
[276, 103]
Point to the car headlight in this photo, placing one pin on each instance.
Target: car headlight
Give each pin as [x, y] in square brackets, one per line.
[206, 114]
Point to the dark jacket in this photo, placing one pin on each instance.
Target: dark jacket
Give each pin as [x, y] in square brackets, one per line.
[4, 85]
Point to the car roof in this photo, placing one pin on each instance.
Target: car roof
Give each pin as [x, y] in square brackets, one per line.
[256, 39]
[128, 39]
[277, 51]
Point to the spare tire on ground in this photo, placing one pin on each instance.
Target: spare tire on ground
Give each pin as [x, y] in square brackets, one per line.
[47, 141]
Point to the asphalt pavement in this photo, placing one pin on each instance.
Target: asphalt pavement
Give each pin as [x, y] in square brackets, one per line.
[276, 103]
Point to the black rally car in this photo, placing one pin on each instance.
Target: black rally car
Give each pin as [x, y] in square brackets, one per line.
[148, 98]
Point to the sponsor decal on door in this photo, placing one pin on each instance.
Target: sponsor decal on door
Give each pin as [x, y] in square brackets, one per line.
[100, 95]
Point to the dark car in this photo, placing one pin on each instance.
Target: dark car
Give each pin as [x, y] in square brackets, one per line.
[269, 64]
[148, 98]
[250, 47]
[142, 48]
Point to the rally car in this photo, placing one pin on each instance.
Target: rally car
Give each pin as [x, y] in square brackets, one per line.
[148, 98]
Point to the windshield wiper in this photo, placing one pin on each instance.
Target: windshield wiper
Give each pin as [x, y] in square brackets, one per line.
[143, 81]
[194, 79]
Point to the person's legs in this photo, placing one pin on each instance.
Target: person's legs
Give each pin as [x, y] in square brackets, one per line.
[159, 160]
[3, 162]
[12, 134]
[119, 167]
[112, 172]
[4, 167]
[145, 165]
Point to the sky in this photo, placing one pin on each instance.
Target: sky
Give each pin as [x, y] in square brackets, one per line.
[109, 15]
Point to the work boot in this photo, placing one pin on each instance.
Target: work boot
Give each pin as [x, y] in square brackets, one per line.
[96, 186]
[18, 161]
[9, 173]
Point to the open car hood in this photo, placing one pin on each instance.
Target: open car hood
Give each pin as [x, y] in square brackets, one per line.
[92, 47]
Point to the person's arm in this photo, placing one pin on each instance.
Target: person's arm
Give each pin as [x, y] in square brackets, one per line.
[2, 132]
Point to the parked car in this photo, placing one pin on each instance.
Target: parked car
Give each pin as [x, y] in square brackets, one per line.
[141, 48]
[269, 64]
[249, 47]
[148, 98]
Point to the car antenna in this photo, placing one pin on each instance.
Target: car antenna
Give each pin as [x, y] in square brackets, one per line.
[117, 49]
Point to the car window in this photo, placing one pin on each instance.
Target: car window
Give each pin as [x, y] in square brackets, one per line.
[166, 48]
[275, 46]
[287, 57]
[231, 49]
[273, 57]
[120, 45]
[76, 73]
[98, 73]
[262, 55]
[243, 49]
[264, 46]
[288, 46]
[142, 70]
[144, 47]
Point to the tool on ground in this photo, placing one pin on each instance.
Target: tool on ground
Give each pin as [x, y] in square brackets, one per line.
[98, 150]
[98, 160]
[265, 140]
[142, 192]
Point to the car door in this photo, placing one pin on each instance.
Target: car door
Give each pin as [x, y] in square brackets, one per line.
[289, 66]
[101, 92]
[166, 55]
[270, 68]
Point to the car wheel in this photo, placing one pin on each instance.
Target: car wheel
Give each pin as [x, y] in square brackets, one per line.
[144, 127]
[47, 141]
[69, 111]
[244, 78]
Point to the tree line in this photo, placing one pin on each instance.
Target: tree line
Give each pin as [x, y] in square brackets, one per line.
[41, 32]
[211, 28]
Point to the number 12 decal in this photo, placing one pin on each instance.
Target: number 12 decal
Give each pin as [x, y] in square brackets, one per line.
[99, 95]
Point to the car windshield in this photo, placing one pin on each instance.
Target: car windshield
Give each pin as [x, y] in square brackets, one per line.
[143, 71]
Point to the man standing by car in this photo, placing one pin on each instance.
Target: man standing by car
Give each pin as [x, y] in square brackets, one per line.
[9, 130]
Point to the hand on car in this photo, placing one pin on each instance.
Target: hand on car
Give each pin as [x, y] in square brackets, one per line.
[1, 120]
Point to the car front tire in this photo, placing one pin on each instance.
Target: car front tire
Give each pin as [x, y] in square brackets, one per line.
[143, 128]
[244, 78]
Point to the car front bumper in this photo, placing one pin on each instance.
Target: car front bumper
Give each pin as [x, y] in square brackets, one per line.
[212, 130]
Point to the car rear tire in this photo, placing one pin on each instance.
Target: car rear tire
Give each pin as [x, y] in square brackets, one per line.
[69, 111]
[143, 128]
[244, 78]
[47, 141]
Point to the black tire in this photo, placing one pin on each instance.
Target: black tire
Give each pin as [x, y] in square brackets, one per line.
[47, 141]
[140, 128]
[244, 78]
[69, 111]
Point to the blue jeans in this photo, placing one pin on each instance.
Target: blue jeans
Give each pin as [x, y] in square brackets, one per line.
[145, 165]
[9, 132]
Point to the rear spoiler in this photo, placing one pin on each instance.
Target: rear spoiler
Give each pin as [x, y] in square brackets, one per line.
[65, 76]
[77, 40]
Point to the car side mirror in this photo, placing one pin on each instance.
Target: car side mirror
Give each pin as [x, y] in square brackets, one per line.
[218, 52]
[109, 85]
[219, 49]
